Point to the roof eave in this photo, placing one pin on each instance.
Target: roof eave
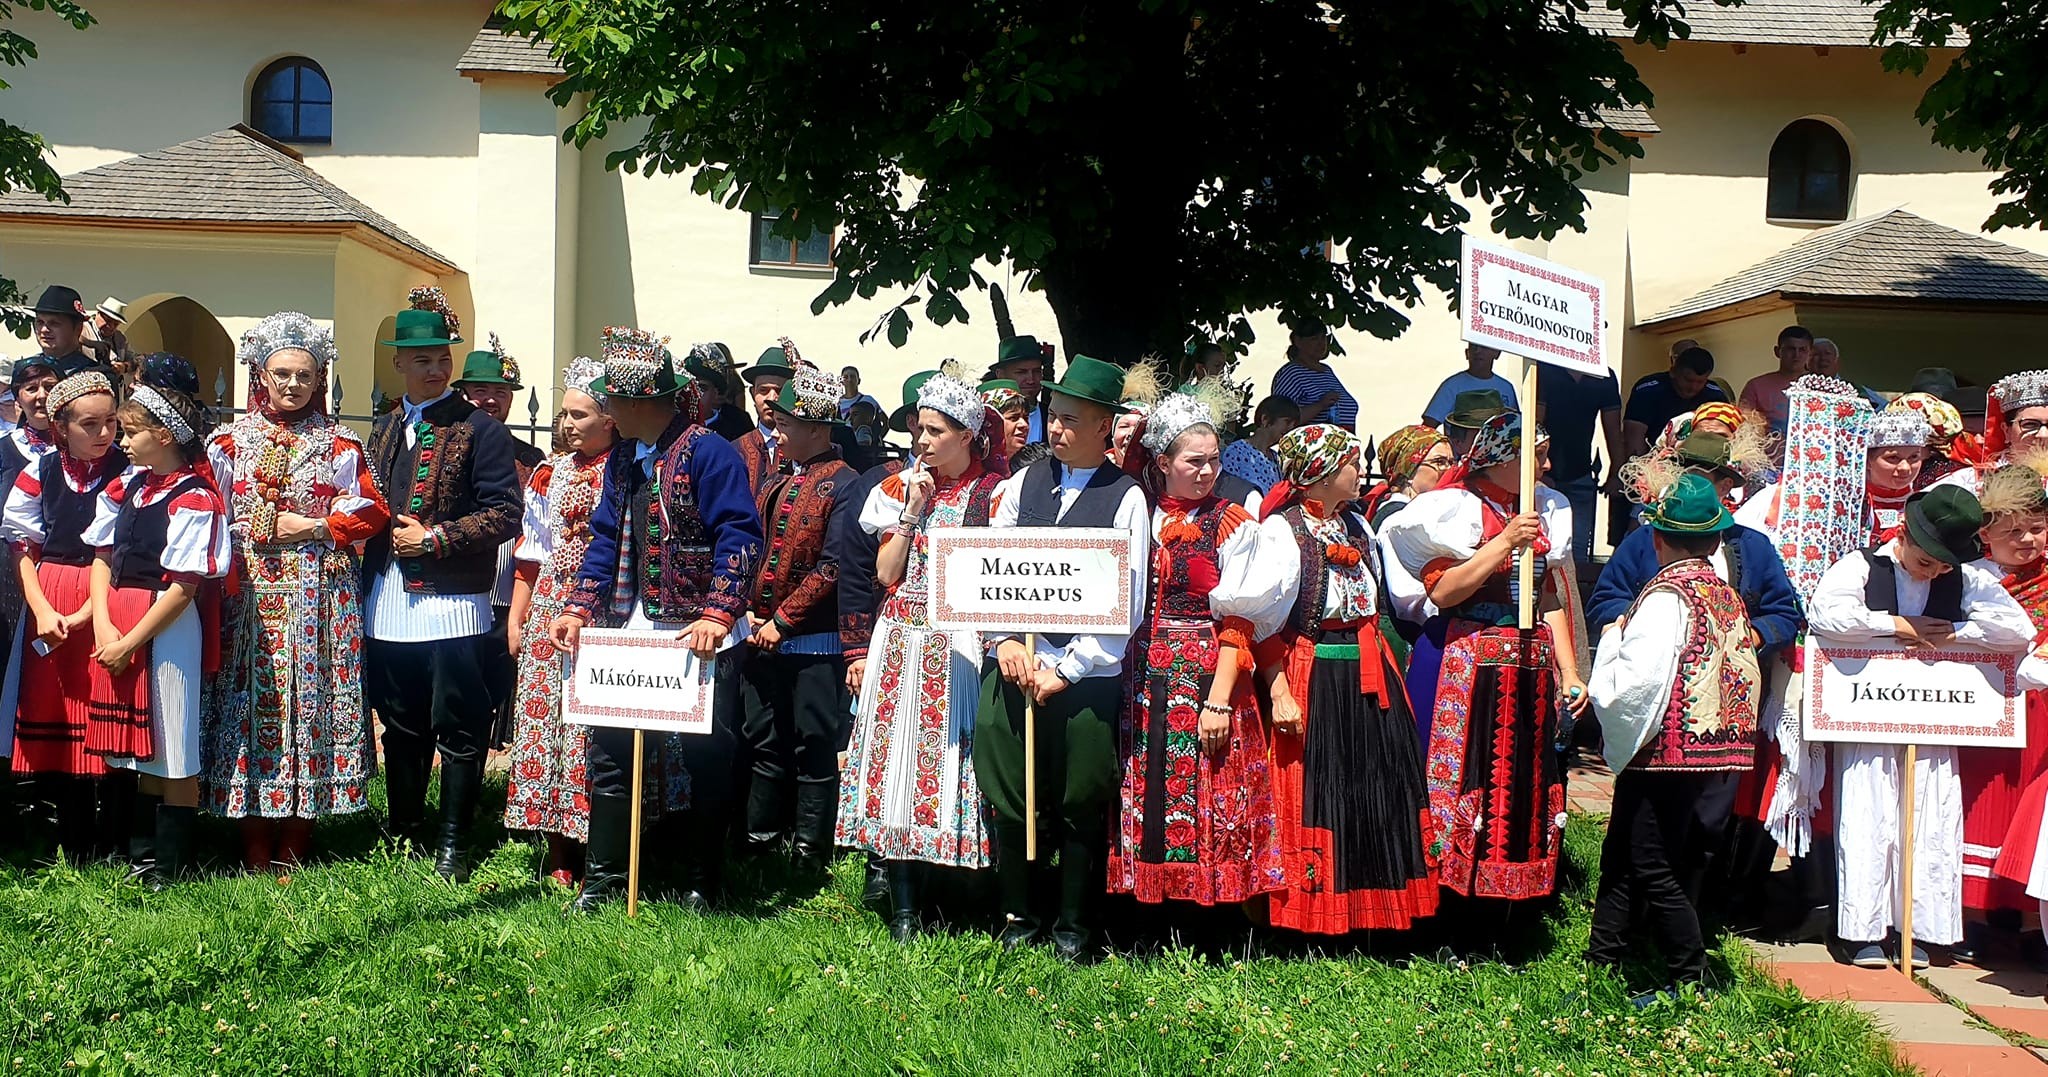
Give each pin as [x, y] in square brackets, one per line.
[480, 74]
[356, 230]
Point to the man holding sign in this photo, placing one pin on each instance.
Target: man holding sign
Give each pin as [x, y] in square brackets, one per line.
[673, 545]
[1075, 681]
[1918, 590]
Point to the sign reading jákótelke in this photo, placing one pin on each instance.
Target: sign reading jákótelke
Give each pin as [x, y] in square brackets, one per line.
[1031, 579]
[1530, 307]
[1881, 693]
[636, 679]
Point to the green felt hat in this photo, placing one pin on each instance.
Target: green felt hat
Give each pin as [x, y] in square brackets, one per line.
[1014, 349]
[1470, 409]
[421, 329]
[1691, 507]
[1944, 521]
[773, 362]
[490, 366]
[1707, 450]
[1094, 381]
[899, 420]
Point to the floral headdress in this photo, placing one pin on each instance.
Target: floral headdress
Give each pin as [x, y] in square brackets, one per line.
[428, 297]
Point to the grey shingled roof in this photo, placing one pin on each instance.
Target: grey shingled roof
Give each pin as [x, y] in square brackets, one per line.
[498, 51]
[1893, 256]
[234, 175]
[1842, 23]
[1629, 120]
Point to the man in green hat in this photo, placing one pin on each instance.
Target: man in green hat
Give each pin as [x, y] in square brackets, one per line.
[793, 699]
[1469, 411]
[765, 380]
[1024, 360]
[1921, 590]
[1076, 680]
[447, 470]
[1676, 687]
[673, 546]
[489, 380]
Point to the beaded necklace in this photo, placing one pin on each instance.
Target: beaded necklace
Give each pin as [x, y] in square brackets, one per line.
[273, 465]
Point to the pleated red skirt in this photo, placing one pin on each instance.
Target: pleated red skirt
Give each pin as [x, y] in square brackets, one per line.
[2004, 792]
[56, 731]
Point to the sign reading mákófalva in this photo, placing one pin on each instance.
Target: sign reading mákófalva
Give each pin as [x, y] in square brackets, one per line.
[637, 679]
[1030, 579]
[1878, 692]
[1530, 307]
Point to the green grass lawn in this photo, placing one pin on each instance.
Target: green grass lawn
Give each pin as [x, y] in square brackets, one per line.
[369, 965]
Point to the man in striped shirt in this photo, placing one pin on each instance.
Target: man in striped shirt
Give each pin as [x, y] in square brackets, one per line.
[1308, 380]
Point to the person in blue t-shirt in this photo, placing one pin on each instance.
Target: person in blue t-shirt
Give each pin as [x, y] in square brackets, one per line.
[1478, 374]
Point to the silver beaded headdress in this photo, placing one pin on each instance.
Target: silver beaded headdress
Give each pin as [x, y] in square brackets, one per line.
[1210, 404]
[160, 406]
[949, 394]
[2026, 389]
[284, 330]
[1894, 429]
[583, 372]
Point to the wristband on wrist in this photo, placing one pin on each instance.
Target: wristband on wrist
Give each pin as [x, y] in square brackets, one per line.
[1216, 708]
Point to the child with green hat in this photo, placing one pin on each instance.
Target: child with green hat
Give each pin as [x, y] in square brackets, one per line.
[1920, 590]
[1675, 684]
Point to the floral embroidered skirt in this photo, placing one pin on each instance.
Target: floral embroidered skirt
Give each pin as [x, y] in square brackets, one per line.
[54, 729]
[1496, 797]
[1351, 802]
[907, 791]
[289, 737]
[548, 785]
[1195, 826]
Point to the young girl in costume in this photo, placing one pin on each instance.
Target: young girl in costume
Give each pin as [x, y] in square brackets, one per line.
[57, 732]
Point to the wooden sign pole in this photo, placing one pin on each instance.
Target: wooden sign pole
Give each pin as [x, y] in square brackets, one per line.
[1031, 756]
[1526, 611]
[633, 843]
[1906, 862]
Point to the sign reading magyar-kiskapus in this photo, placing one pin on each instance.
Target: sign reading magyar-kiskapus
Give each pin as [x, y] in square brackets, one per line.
[1031, 579]
[1878, 692]
[1530, 307]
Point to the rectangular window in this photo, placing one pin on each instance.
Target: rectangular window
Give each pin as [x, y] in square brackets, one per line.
[769, 249]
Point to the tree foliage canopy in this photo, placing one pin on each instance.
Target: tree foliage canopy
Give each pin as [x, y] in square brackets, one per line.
[22, 164]
[1992, 100]
[1156, 167]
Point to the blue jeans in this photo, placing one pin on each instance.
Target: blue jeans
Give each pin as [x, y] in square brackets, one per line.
[1584, 495]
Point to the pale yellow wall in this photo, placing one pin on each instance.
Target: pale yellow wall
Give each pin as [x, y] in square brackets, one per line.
[153, 73]
[526, 236]
[369, 288]
[1883, 348]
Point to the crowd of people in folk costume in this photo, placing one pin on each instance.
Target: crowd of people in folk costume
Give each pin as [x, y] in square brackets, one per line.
[1323, 710]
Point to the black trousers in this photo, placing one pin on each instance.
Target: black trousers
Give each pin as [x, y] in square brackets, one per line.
[432, 696]
[708, 756]
[794, 718]
[501, 677]
[1652, 839]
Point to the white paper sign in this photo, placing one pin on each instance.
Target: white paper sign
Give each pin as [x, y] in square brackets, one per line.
[1881, 693]
[638, 680]
[1031, 579]
[1530, 307]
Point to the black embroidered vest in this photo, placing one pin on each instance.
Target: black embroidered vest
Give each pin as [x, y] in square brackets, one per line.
[139, 536]
[67, 512]
[1038, 505]
[1881, 591]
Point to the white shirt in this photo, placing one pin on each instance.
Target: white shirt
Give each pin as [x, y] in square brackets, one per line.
[1088, 656]
[1449, 523]
[1405, 593]
[410, 415]
[1634, 668]
[1837, 610]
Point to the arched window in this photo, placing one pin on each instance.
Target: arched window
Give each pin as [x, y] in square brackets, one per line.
[1810, 176]
[292, 102]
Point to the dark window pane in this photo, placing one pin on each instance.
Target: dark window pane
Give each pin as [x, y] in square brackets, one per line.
[769, 249]
[274, 118]
[316, 123]
[313, 86]
[815, 251]
[1809, 173]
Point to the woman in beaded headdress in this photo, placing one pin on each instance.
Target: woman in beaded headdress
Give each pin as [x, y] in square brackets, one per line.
[290, 739]
[1349, 789]
[1495, 788]
[907, 793]
[547, 784]
[1951, 448]
[1197, 818]
[49, 690]
[2015, 424]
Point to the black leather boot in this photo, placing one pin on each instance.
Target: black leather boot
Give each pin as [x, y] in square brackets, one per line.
[906, 878]
[767, 823]
[611, 843]
[142, 833]
[77, 817]
[116, 815]
[1080, 879]
[460, 783]
[1013, 889]
[406, 768]
[817, 813]
[874, 892]
[704, 871]
[174, 826]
